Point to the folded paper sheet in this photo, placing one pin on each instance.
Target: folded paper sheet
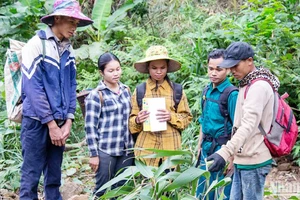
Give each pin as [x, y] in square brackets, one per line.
[152, 105]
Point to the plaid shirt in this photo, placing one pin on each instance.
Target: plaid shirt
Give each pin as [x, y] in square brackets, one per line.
[106, 125]
[164, 140]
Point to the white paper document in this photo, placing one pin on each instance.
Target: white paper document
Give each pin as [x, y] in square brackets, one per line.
[152, 105]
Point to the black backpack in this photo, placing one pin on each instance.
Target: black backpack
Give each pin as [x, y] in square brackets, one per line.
[223, 106]
[141, 89]
[140, 93]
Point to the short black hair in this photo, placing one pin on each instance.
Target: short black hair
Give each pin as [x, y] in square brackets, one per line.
[105, 58]
[215, 54]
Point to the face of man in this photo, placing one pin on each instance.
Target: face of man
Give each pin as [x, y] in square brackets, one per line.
[243, 68]
[216, 74]
[64, 27]
[158, 70]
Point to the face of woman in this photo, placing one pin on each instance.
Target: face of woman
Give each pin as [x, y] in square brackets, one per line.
[112, 72]
[158, 70]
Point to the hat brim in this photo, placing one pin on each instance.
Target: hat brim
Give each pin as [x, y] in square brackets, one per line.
[83, 20]
[141, 65]
[228, 63]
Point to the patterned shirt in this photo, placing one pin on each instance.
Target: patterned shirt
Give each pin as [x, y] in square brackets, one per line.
[164, 140]
[106, 125]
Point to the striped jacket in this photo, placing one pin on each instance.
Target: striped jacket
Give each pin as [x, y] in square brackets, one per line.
[49, 83]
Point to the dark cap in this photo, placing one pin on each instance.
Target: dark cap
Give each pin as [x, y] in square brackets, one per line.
[236, 52]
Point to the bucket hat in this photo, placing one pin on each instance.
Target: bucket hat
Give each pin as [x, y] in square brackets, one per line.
[235, 53]
[156, 53]
[69, 8]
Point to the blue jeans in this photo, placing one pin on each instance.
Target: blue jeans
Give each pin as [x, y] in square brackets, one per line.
[109, 166]
[39, 155]
[202, 185]
[249, 184]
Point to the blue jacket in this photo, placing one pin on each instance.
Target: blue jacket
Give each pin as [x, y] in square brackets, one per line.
[49, 83]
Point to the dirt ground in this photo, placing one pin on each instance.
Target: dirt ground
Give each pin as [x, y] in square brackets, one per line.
[283, 182]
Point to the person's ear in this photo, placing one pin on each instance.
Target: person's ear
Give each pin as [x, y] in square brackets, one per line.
[227, 71]
[250, 61]
[101, 73]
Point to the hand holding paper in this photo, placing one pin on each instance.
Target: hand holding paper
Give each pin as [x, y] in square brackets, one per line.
[163, 115]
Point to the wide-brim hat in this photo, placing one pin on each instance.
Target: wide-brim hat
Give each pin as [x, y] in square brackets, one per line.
[69, 8]
[156, 53]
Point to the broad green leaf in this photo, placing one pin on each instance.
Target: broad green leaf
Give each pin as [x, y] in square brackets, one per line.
[100, 14]
[160, 186]
[222, 183]
[145, 197]
[186, 177]
[169, 176]
[145, 170]
[126, 175]
[29, 2]
[188, 197]
[123, 190]
[82, 52]
[122, 12]
[169, 163]
[163, 153]
[164, 198]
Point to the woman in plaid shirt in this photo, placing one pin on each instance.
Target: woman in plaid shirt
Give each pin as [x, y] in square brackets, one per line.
[157, 64]
[106, 123]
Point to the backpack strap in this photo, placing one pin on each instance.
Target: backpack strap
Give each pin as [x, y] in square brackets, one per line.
[177, 94]
[128, 89]
[141, 90]
[140, 93]
[101, 97]
[255, 80]
[275, 101]
[203, 100]
[224, 103]
[224, 106]
[44, 48]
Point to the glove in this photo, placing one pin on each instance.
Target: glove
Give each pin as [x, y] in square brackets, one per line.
[218, 164]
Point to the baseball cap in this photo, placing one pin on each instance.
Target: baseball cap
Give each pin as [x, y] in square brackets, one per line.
[236, 52]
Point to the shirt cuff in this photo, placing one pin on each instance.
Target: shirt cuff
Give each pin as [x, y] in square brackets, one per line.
[93, 153]
[71, 116]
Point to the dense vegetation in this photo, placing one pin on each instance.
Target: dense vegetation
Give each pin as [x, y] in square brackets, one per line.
[188, 28]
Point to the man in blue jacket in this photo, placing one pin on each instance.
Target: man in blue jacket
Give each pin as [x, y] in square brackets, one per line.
[49, 99]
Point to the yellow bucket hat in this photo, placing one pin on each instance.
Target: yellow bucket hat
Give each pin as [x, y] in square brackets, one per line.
[156, 53]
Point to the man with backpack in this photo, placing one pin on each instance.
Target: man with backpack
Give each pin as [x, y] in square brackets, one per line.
[252, 158]
[49, 99]
[218, 107]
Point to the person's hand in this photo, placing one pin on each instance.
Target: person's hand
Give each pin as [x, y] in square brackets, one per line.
[229, 168]
[218, 162]
[56, 134]
[142, 116]
[94, 163]
[66, 129]
[163, 115]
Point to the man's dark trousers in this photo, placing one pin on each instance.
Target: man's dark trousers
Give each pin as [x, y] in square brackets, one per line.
[39, 155]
